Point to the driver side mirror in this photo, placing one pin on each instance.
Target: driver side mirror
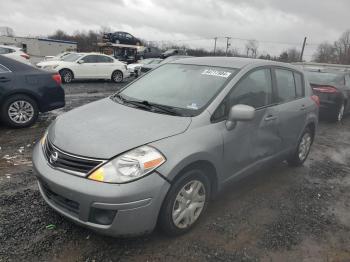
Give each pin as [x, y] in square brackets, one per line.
[239, 113]
[81, 61]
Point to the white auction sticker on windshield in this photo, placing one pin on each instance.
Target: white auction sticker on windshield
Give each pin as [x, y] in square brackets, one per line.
[212, 72]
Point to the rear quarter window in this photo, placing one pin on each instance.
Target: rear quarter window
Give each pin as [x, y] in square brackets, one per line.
[299, 87]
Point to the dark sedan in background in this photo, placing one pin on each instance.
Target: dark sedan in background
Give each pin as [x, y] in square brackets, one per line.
[121, 38]
[25, 91]
[333, 89]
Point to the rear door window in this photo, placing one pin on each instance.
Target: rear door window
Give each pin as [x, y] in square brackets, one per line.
[285, 85]
[104, 59]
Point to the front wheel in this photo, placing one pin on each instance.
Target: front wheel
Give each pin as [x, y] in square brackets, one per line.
[19, 111]
[303, 149]
[117, 77]
[185, 203]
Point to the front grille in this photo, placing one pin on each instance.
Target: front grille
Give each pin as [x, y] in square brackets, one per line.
[66, 203]
[63, 160]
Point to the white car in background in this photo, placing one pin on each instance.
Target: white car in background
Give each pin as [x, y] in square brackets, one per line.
[87, 66]
[135, 69]
[57, 57]
[14, 53]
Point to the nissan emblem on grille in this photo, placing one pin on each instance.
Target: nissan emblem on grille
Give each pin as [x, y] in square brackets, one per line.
[53, 157]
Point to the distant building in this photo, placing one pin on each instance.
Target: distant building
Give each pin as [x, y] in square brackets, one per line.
[38, 48]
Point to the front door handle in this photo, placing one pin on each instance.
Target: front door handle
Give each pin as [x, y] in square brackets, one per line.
[270, 118]
[4, 79]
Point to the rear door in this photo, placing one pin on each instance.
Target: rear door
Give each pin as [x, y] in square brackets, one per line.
[105, 66]
[255, 140]
[290, 87]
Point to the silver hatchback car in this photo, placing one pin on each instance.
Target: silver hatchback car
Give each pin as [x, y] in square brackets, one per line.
[158, 150]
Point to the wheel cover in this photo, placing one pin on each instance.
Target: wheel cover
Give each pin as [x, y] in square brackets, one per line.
[188, 204]
[341, 113]
[304, 146]
[117, 76]
[67, 77]
[21, 112]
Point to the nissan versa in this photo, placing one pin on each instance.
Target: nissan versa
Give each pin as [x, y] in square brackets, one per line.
[159, 149]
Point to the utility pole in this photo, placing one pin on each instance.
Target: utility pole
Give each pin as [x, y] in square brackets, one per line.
[215, 39]
[227, 43]
[302, 50]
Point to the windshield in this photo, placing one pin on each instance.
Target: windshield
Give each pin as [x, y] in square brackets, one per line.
[186, 87]
[71, 57]
[322, 78]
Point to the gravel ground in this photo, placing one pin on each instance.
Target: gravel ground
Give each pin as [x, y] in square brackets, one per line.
[279, 214]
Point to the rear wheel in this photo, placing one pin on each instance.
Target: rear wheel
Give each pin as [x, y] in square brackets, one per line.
[117, 76]
[19, 111]
[185, 203]
[303, 149]
[66, 75]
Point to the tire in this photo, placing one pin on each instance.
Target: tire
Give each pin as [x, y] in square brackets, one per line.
[66, 75]
[304, 145]
[117, 76]
[19, 111]
[171, 206]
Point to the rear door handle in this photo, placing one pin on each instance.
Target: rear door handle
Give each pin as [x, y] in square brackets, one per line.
[4, 79]
[303, 107]
[270, 118]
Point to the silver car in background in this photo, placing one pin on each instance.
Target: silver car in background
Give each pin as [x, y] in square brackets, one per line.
[157, 151]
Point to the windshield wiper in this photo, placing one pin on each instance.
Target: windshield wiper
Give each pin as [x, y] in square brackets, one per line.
[147, 105]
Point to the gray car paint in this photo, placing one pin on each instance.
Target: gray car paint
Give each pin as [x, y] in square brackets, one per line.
[105, 129]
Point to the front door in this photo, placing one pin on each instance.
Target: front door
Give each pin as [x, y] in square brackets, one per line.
[252, 141]
[87, 69]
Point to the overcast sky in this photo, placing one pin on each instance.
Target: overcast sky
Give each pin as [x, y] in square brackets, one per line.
[187, 21]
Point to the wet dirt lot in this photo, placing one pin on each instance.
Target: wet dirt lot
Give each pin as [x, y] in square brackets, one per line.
[279, 214]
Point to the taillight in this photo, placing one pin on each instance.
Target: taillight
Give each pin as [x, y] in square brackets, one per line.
[325, 89]
[316, 99]
[25, 56]
[57, 78]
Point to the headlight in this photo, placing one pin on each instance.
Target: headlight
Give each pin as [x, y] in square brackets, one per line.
[129, 166]
[50, 67]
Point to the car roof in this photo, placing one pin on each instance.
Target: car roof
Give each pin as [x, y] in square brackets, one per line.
[229, 62]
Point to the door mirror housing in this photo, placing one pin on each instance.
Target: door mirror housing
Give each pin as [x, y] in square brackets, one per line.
[239, 113]
[81, 61]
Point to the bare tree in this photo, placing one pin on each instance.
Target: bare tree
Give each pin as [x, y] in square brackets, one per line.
[251, 48]
[326, 53]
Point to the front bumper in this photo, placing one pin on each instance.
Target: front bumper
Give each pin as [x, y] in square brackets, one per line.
[134, 206]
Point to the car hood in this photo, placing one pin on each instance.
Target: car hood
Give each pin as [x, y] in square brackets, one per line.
[105, 128]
